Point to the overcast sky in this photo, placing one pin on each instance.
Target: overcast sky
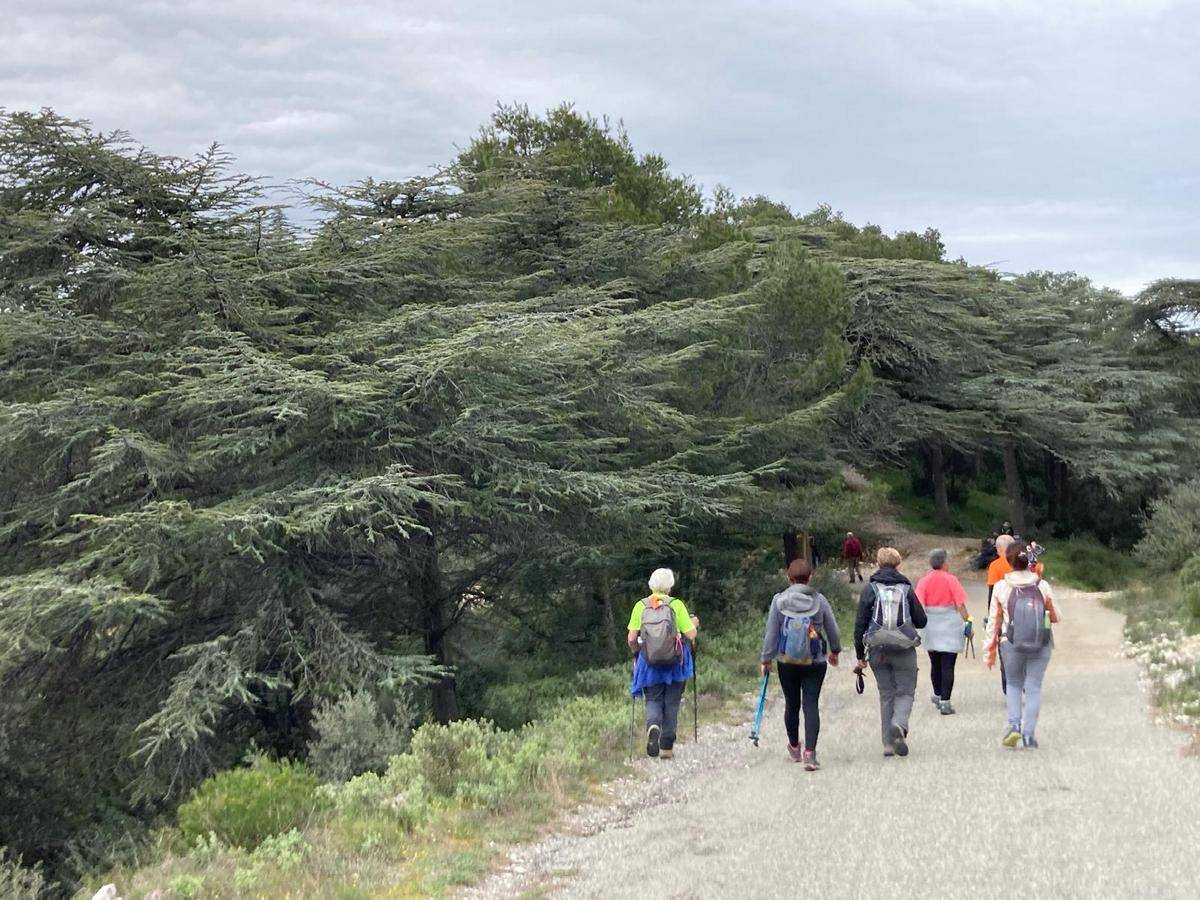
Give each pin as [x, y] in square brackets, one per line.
[1059, 134]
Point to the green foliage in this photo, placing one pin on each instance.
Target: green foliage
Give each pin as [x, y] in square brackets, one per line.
[353, 736]
[187, 886]
[243, 807]
[979, 512]
[1173, 530]
[581, 152]
[19, 882]
[1087, 564]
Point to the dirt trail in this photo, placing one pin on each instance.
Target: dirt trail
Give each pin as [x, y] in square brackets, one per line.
[1108, 807]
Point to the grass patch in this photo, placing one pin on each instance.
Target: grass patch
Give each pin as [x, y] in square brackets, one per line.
[1087, 564]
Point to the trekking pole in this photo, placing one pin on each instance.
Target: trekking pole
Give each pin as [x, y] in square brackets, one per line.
[758, 715]
[695, 695]
[631, 726]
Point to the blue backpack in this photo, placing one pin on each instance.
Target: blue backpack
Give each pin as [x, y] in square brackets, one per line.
[799, 642]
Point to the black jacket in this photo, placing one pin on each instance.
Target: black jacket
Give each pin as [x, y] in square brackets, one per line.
[866, 605]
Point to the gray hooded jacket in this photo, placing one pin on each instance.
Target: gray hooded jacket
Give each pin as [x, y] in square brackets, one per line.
[801, 600]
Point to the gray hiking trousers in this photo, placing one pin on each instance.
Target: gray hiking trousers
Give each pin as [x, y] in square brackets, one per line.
[896, 677]
[1024, 671]
[662, 709]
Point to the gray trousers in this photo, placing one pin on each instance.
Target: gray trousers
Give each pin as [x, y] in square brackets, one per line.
[1025, 671]
[896, 677]
[662, 709]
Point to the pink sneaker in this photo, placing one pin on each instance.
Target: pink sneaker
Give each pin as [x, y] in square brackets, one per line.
[810, 761]
[796, 752]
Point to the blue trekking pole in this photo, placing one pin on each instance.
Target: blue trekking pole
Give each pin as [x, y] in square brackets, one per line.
[762, 699]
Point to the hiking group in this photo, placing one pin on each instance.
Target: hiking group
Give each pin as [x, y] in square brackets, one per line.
[892, 619]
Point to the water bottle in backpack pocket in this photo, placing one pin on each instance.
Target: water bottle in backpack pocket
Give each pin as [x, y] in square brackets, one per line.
[799, 642]
[891, 626]
[1028, 618]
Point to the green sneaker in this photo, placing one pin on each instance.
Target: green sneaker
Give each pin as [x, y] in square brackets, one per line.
[1012, 739]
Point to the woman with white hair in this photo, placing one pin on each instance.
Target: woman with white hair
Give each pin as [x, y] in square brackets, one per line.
[945, 602]
[660, 634]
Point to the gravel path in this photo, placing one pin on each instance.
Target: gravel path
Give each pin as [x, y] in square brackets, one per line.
[1108, 807]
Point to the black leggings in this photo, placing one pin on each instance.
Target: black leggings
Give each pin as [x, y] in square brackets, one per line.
[941, 672]
[802, 688]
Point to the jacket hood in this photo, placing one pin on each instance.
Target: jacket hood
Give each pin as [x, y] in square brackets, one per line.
[1022, 578]
[799, 600]
[889, 575]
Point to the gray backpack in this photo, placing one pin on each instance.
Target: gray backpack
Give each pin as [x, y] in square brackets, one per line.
[661, 642]
[891, 625]
[1028, 624]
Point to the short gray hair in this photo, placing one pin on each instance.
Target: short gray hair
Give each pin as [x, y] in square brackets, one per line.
[662, 580]
[937, 558]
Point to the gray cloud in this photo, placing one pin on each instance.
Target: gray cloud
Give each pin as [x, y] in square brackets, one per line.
[1045, 134]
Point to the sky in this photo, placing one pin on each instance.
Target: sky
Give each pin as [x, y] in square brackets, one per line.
[1034, 134]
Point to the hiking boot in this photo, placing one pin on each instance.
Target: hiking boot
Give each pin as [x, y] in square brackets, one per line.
[810, 761]
[652, 735]
[796, 752]
[666, 753]
[1029, 741]
[1012, 738]
[897, 734]
[945, 708]
[888, 751]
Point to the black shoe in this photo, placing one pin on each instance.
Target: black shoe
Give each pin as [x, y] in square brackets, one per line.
[898, 743]
[652, 734]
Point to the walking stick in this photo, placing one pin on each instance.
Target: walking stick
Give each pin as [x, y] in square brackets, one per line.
[762, 699]
[695, 695]
[631, 726]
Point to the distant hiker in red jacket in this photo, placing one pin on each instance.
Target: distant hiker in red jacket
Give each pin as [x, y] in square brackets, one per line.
[852, 554]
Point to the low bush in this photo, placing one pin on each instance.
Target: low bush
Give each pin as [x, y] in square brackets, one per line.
[17, 881]
[244, 807]
[1173, 532]
[1087, 564]
[186, 886]
[353, 736]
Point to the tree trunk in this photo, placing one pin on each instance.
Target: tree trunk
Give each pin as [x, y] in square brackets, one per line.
[937, 471]
[430, 593]
[1053, 509]
[607, 623]
[791, 548]
[1012, 488]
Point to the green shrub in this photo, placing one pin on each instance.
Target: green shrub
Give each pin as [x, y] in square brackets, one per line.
[467, 760]
[186, 886]
[243, 807]
[1087, 564]
[353, 737]
[1173, 532]
[18, 882]
[284, 850]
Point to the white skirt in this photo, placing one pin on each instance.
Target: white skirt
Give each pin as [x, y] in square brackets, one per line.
[944, 631]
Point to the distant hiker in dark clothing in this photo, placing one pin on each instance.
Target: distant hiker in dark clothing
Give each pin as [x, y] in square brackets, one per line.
[885, 637]
[660, 634]
[987, 552]
[801, 636]
[852, 554]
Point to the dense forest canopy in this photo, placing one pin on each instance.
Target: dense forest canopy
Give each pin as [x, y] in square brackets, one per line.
[244, 468]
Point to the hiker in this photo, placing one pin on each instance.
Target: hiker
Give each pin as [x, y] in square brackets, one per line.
[945, 602]
[987, 552]
[885, 638]
[852, 554]
[658, 627]
[802, 637]
[1022, 612]
[1007, 529]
